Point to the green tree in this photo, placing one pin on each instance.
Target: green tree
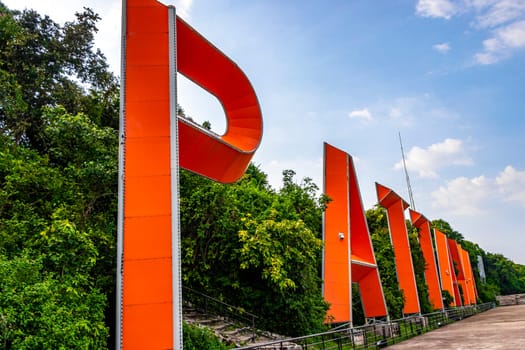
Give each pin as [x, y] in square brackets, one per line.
[487, 290]
[40, 310]
[505, 274]
[198, 338]
[384, 253]
[256, 248]
[57, 217]
[88, 155]
[31, 190]
[447, 298]
[45, 64]
[301, 201]
[445, 227]
[283, 257]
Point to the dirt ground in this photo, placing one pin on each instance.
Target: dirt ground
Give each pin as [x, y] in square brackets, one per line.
[499, 328]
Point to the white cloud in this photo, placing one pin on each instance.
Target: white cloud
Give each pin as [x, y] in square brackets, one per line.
[504, 41]
[497, 12]
[511, 185]
[436, 8]
[462, 196]
[363, 114]
[488, 13]
[441, 48]
[505, 19]
[427, 162]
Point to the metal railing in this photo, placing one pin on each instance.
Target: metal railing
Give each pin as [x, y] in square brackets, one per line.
[377, 335]
[213, 306]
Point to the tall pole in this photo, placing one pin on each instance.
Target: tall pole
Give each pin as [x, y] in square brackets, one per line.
[411, 197]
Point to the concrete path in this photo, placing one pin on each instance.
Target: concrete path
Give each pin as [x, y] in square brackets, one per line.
[499, 328]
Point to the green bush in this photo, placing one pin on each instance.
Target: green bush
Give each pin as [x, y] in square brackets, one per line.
[199, 338]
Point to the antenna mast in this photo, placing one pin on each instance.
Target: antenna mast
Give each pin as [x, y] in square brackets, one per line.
[412, 204]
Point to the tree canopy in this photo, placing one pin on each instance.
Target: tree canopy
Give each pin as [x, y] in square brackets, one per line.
[246, 243]
[58, 183]
[257, 248]
[44, 64]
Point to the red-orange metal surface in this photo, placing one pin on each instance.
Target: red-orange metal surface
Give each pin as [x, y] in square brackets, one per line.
[223, 158]
[444, 264]
[456, 258]
[431, 272]
[474, 289]
[452, 269]
[147, 312]
[458, 276]
[336, 274]
[350, 257]
[395, 207]
[362, 253]
[469, 277]
[463, 282]
[147, 321]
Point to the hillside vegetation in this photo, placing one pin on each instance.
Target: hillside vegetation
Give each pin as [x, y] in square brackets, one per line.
[246, 243]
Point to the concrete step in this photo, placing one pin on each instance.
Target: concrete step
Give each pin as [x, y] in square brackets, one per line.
[229, 331]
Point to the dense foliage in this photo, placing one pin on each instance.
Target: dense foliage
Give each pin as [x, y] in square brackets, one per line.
[45, 64]
[245, 243]
[199, 338]
[503, 276]
[57, 225]
[58, 177]
[420, 266]
[384, 253]
[256, 248]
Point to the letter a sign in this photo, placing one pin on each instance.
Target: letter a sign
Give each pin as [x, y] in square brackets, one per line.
[156, 44]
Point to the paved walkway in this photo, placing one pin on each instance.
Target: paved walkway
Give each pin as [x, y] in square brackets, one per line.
[499, 328]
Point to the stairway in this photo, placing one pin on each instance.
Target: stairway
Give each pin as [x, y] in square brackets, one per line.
[229, 331]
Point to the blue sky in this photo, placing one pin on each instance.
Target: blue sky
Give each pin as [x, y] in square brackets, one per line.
[448, 75]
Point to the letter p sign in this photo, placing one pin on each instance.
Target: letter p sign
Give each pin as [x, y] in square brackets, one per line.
[156, 44]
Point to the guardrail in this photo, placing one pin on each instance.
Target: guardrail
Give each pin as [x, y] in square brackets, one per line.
[213, 306]
[377, 335]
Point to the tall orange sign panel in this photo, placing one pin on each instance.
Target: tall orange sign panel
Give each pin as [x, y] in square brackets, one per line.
[462, 277]
[444, 263]
[469, 277]
[431, 271]
[469, 296]
[395, 207]
[156, 45]
[348, 255]
[458, 274]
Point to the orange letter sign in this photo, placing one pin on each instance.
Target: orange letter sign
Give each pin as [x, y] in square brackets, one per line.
[348, 254]
[444, 261]
[431, 273]
[395, 207]
[156, 44]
